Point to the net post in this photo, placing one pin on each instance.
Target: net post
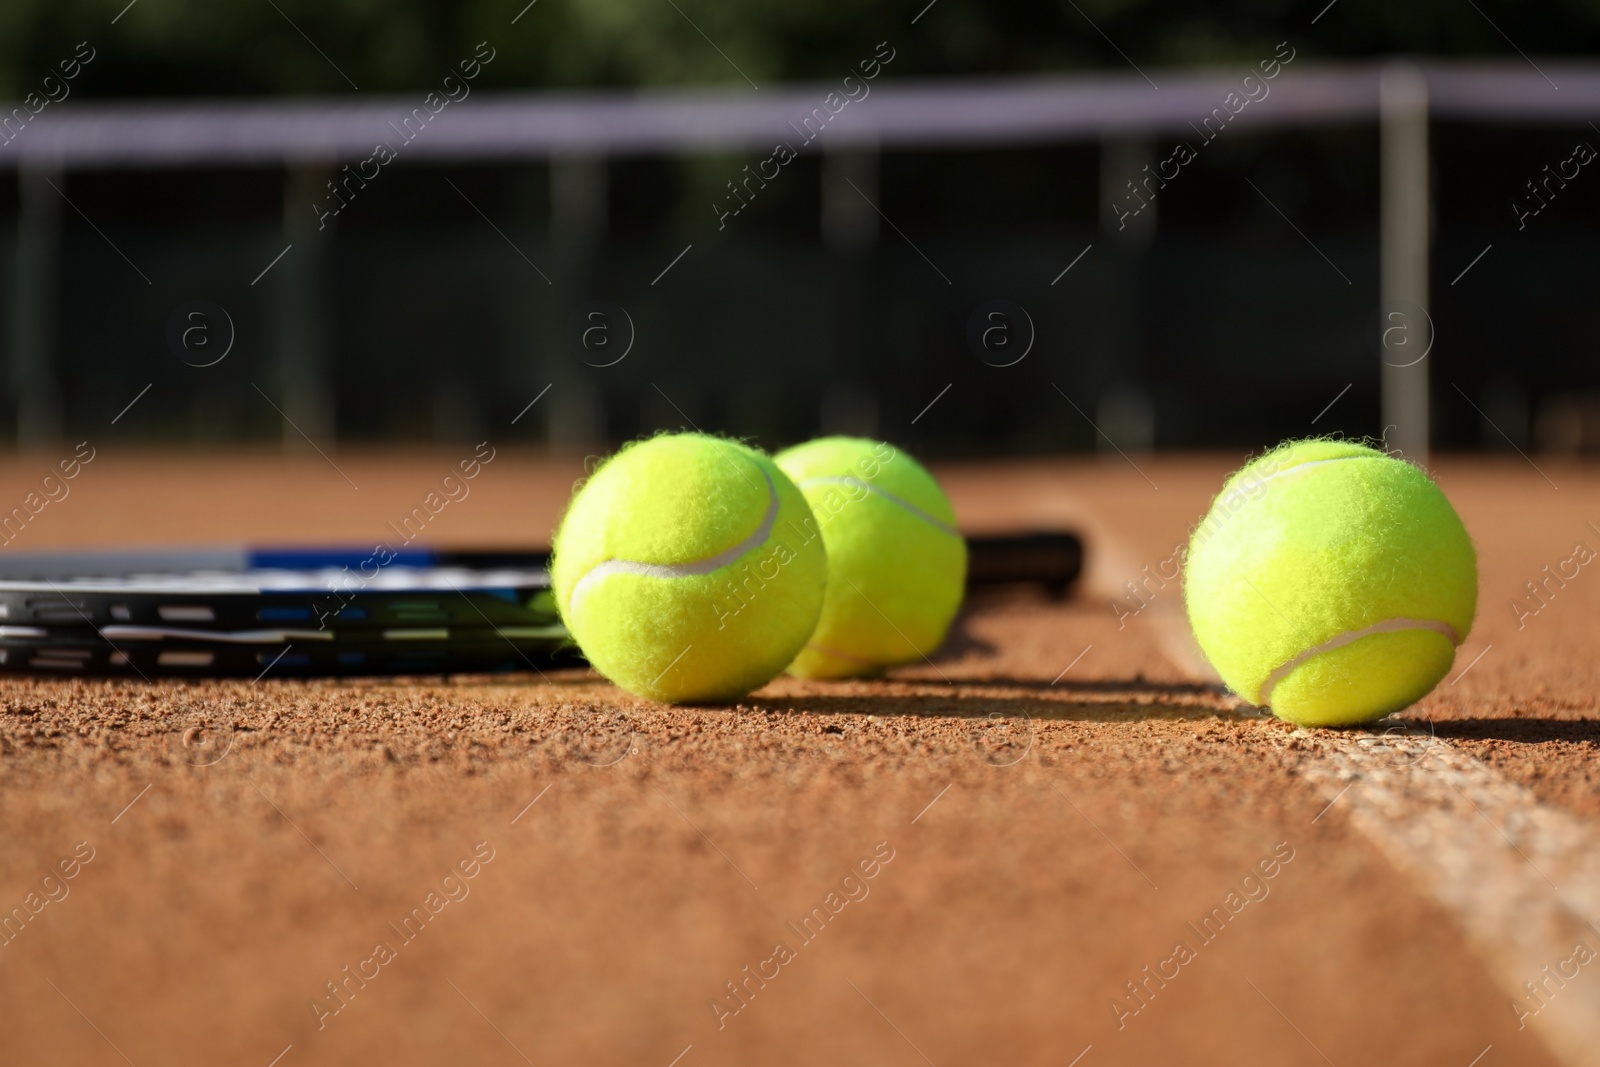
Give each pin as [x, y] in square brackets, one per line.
[34, 295]
[309, 197]
[1405, 222]
[849, 220]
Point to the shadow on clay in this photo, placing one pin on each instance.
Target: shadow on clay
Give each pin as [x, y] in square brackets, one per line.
[965, 705]
[1526, 731]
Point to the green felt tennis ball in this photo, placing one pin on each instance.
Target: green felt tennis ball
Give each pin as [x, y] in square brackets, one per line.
[687, 570]
[897, 566]
[1331, 583]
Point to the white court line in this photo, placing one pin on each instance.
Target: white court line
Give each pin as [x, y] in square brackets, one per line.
[1522, 879]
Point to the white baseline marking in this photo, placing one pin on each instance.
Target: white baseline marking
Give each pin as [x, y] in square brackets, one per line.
[1522, 879]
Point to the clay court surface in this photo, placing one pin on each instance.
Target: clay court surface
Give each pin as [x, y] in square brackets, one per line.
[1038, 835]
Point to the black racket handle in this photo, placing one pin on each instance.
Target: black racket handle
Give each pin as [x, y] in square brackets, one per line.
[1052, 559]
[1049, 558]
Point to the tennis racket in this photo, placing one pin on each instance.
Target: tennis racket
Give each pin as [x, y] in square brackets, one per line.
[254, 612]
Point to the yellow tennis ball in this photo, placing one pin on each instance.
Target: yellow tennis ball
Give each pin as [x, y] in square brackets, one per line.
[687, 570]
[1331, 582]
[897, 566]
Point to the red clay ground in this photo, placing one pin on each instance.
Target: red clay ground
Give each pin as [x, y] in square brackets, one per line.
[1048, 841]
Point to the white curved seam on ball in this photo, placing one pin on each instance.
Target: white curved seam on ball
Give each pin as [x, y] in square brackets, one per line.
[1236, 494]
[1313, 463]
[1444, 629]
[890, 497]
[693, 568]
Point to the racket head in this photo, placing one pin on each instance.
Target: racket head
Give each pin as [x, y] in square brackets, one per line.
[120, 615]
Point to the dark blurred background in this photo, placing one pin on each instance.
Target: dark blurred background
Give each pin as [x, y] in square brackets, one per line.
[421, 316]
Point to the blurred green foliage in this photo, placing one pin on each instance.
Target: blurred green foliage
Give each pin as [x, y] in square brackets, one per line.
[247, 47]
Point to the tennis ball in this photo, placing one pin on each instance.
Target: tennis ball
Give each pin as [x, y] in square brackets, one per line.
[686, 569]
[1330, 582]
[897, 566]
